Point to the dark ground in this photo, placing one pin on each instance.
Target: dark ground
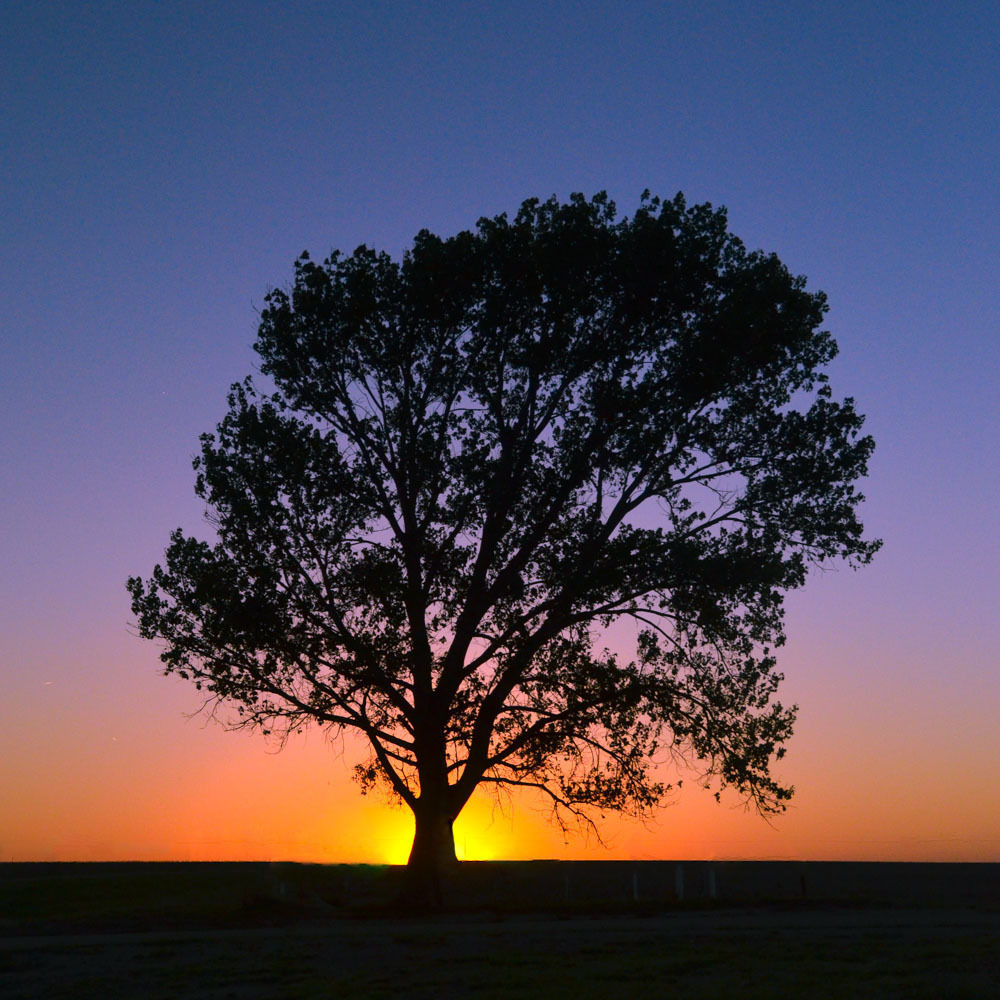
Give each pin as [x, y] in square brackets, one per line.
[573, 930]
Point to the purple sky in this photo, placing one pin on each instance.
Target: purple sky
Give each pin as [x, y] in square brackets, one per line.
[162, 165]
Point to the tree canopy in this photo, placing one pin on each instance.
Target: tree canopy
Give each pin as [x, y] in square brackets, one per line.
[469, 464]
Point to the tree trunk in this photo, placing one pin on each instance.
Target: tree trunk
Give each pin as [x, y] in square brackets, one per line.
[432, 854]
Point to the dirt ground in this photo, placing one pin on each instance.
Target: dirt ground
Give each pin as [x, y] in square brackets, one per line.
[758, 952]
[575, 930]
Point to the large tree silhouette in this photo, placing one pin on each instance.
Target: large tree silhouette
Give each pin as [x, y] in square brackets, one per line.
[472, 461]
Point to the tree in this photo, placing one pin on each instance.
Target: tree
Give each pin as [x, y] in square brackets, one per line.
[473, 461]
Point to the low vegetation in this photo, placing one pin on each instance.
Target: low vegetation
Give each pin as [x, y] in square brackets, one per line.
[309, 931]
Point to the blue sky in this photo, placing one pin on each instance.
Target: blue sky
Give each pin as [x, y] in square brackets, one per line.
[162, 165]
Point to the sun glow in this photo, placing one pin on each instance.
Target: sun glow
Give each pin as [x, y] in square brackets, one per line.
[477, 837]
[479, 834]
[393, 837]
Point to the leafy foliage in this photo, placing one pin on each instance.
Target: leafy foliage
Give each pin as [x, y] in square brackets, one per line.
[474, 461]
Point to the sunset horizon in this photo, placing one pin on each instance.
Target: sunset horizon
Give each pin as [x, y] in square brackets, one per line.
[165, 170]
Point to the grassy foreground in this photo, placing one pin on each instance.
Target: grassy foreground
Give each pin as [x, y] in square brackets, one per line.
[298, 931]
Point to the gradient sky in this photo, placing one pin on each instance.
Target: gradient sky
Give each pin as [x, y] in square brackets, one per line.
[162, 165]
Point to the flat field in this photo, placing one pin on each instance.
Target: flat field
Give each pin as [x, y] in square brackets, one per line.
[553, 930]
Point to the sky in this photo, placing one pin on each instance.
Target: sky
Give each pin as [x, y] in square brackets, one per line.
[162, 166]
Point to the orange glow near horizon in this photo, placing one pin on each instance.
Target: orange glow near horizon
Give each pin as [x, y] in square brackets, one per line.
[157, 787]
[477, 837]
[222, 799]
